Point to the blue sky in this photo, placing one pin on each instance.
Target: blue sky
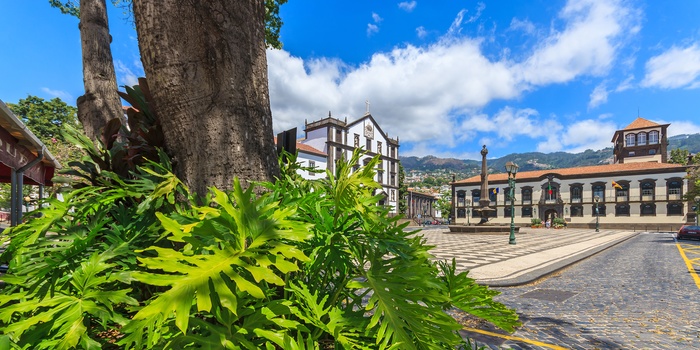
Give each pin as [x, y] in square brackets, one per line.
[443, 76]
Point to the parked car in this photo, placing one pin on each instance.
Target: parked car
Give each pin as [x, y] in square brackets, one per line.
[688, 231]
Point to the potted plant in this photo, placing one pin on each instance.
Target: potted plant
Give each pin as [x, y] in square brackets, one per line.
[559, 223]
[535, 223]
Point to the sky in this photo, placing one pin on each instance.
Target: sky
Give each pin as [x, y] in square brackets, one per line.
[445, 77]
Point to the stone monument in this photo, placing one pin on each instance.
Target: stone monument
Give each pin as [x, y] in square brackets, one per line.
[484, 200]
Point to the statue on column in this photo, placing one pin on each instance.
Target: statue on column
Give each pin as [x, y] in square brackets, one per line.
[484, 200]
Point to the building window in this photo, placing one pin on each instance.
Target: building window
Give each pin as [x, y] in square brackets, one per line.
[601, 209]
[369, 145]
[380, 177]
[577, 211]
[576, 195]
[653, 137]
[622, 210]
[493, 194]
[338, 154]
[526, 212]
[393, 180]
[621, 195]
[647, 191]
[629, 140]
[550, 193]
[393, 152]
[674, 190]
[506, 195]
[642, 138]
[599, 190]
[461, 213]
[379, 147]
[647, 209]
[652, 152]
[527, 196]
[674, 209]
[476, 196]
[393, 167]
[475, 214]
[506, 212]
[356, 141]
[393, 195]
[461, 197]
[338, 136]
[312, 165]
[631, 153]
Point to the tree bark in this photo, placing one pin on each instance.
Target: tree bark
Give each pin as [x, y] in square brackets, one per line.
[206, 67]
[101, 103]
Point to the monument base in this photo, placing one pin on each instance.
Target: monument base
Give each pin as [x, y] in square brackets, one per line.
[482, 229]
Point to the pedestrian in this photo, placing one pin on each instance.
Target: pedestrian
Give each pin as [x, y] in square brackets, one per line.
[548, 223]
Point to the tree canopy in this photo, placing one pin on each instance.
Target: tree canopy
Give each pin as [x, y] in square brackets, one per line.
[45, 118]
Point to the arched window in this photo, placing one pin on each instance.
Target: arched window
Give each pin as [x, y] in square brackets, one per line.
[476, 196]
[577, 210]
[641, 138]
[526, 212]
[622, 210]
[461, 213]
[647, 191]
[599, 190]
[653, 137]
[647, 209]
[461, 197]
[527, 196]
[674, 189]
[576, 195]
[674, 209]
[629, 140]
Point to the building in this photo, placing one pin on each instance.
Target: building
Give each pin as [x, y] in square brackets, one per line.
[639, 191]
[328, 140]
[421, 205]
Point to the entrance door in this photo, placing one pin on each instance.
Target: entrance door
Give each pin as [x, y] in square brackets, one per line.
[550, 214]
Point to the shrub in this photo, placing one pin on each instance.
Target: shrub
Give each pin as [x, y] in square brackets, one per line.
[134, 260]
[535, 221]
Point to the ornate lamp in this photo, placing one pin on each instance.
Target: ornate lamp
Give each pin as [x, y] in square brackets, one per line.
[512, 169]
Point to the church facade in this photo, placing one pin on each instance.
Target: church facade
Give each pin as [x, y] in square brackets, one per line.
[640, 190]
[328, 140]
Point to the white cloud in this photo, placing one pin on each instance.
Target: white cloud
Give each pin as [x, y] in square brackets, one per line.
[524, 25]
[376, 18]
[587, 45]
[625, 84]
[681, 127]
[599, 95]
[432, 95]
[479, 8]
[675, 68]
[578, 136]
[125, 74]
[372, 28]
[421, 32]
[63, 95]
[407, 6]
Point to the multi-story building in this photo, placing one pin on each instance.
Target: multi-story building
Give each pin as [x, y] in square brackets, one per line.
[639, 191]
[328, 140]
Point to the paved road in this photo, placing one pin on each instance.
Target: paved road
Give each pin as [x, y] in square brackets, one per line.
[636, 295]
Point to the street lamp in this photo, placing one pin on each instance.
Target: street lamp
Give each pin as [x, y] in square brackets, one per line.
[512, 169]
[597, 199]
[697, 204]
[469, 203]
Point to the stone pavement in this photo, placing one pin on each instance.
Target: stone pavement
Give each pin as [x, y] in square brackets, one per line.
[537, 252]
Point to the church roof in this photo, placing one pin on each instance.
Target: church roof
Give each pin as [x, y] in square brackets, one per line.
[580, 172]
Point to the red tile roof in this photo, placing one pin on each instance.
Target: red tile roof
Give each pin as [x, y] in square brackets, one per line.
[641, 123]
[594, 170]
[301, 147]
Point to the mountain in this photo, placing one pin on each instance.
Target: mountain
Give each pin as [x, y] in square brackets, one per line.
[533, 160]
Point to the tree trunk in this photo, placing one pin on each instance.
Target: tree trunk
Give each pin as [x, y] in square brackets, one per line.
[101, 103]
[207, 71]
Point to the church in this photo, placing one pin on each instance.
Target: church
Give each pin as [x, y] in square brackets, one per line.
[639, 191]
[330, 139]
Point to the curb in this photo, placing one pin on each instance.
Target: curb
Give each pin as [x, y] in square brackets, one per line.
[549, 269]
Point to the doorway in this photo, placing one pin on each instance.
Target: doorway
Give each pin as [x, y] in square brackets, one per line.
[550, 214]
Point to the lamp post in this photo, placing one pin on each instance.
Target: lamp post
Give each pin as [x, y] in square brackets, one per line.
[512, 169]
[597, 215]
[697, 204]
[469, 203]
